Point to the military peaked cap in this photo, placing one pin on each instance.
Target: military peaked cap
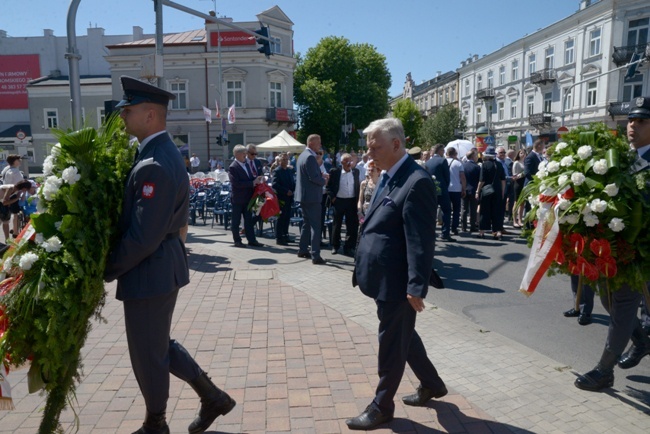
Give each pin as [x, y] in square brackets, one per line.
[639, 108]
[137, 92]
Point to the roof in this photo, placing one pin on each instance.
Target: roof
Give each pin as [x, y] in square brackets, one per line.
[11, 132]
[64, 80]
[192, 37]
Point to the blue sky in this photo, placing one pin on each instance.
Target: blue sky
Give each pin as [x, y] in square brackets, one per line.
[422, 36]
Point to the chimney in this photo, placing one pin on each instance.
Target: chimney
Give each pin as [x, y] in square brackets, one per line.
[584, 4]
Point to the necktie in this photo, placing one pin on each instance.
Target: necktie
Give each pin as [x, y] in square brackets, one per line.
[248, 171]
[380, 187]
[253, 171]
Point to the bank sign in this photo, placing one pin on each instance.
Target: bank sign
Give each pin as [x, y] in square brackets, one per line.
[15, 72]
[229, 39]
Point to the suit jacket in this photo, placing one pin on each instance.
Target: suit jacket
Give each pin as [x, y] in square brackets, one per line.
[309, 179]
[395, 251]
[335, 181]
[472, 175]
[531, 165]
[150, 258]
[283, 182]
[258, 166]
[438, 167]
[241, 185]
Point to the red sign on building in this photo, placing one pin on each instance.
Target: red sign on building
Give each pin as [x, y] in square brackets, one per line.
[281, 114]
[229, 39]
[15, 72]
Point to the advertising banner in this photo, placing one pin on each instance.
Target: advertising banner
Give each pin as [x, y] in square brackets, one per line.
[231, 38]
[15, 72]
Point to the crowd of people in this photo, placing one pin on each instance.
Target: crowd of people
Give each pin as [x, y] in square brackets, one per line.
[17, 197]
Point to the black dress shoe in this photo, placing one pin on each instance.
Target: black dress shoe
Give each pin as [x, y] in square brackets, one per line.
[632, 357]
[571, 313]
[255, 244]
[369, 419]
[318, 261]
[448, 239]
[335, 251]
[305, 255]
[595, 380]
[423, 394]
[584, 319]
[240, 244]
[281, 242]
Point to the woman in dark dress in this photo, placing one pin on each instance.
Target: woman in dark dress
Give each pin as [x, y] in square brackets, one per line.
[492, 174]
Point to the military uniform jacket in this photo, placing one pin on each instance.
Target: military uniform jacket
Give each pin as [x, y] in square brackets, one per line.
[150, 258]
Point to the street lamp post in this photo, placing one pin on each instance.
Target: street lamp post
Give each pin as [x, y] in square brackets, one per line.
[345, 116]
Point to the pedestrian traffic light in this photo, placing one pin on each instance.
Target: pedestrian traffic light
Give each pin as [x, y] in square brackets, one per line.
[264, 42]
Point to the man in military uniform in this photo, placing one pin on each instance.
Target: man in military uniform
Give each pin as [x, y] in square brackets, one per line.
[150, 262]
[623, 310]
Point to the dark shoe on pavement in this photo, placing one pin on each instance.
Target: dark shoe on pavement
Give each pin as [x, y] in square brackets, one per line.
[423, 394]
[448, 239]
[214, 403]
[632, 357]
[318, 261]
[369, 419]
[348, 252]
[255, 244]
[455, 231]
[240, 244]
[281, 242]
[595, 380]
[571, 313]
[335, 251]
[154, 424]
[305, 255]
[584, 319]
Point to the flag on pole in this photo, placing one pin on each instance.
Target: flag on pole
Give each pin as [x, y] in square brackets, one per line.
[231, 114]
[217, 115]
[207, 113]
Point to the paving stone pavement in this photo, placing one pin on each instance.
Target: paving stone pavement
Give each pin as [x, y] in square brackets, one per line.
[295, 345]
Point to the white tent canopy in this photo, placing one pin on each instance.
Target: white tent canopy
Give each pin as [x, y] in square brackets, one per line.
[283, 142]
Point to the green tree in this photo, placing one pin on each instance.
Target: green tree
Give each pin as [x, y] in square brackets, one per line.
[406, 111]
[335, 74]
[441, 127]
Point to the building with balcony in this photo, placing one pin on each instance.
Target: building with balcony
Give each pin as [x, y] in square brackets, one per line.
[567, 69]
[431, 95]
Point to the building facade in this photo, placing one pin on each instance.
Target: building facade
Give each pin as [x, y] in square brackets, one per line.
[431, 95]
[218, 65]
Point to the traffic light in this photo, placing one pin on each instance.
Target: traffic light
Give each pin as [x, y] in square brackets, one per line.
[219, 142]
[265, 43]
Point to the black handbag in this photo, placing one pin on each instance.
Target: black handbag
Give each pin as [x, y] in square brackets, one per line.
[487, 190]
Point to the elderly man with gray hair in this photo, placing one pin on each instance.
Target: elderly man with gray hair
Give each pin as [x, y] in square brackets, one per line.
[242, 183]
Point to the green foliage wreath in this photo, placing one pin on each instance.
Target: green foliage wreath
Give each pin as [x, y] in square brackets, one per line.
[59, 269]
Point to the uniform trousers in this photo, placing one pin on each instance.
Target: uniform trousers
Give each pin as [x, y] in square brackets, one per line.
[586, 297]
[400, 344]
[153, 354]
[623, 318]
[445, 206]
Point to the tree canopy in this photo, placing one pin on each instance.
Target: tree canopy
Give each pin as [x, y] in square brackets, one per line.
[442, 127]
[406, 111]
[335, 74]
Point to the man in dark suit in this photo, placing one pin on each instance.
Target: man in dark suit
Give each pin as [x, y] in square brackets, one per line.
[532, 160]
[393, 265]
[242, 184]
[470, 202]
[309, 192]
[284, 185]
[623, 304]
[150, 262]
[343, 192]
[439, 167]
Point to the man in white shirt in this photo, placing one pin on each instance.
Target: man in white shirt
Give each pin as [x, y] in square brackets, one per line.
[457, 186]
[343, 191]
[194, 163]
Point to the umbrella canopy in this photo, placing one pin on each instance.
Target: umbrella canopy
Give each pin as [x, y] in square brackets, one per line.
[283, 142]
[462, 146]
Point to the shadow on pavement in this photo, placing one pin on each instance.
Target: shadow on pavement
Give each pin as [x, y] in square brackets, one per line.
[452, 419]
[208, 263]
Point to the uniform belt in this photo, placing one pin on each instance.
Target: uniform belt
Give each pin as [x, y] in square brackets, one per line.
[172, 235]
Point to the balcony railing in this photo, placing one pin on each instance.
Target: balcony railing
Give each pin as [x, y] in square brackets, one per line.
[544, 76]
[618, 108]
[485, 93]
[281, 115]
[540, 119]
[623, 55]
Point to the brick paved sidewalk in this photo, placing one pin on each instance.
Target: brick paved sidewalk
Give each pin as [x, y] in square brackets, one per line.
[295, 345]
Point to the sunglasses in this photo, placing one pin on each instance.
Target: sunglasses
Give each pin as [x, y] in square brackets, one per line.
[252, 153]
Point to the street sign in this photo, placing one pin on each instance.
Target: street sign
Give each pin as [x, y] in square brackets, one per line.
[562, 130]
[488, 140]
